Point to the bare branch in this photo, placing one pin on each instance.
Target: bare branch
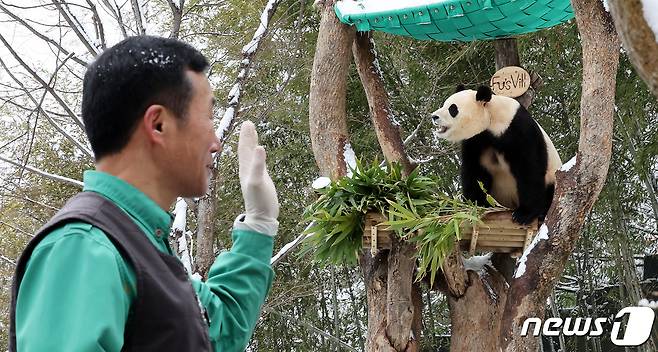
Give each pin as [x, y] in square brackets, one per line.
[285, 250]
[23, 197]
[8, 260]
[98, 25]
[44, 173]
[43, 83]
[36, 112]
[76, 27]
[116, 14]
[312, 328]
[248, 52]
[138, 17]
[39, 35]
[16, 229]
[177, 13]
[38, 105]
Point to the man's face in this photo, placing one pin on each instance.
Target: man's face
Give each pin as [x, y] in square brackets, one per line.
[194, 141]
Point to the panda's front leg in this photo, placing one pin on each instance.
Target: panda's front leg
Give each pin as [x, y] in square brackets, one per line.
[531, 191]
[471, 173]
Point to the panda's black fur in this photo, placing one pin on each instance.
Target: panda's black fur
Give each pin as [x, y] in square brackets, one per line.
[524, 149]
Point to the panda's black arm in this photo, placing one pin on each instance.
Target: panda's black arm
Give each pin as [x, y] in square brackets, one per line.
[525, 151]
[471, 173]
[529, 169]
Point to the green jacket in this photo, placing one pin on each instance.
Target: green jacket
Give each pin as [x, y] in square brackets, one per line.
[77, 289]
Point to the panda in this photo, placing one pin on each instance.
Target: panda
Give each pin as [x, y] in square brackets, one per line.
[503, 147]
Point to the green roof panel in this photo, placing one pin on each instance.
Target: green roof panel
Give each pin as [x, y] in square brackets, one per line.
[454, 20]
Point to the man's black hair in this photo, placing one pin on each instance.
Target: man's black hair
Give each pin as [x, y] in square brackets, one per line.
[129, 77]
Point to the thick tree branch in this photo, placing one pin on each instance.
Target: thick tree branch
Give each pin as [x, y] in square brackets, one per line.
[327, 96]
[639, 40]
[388, 133]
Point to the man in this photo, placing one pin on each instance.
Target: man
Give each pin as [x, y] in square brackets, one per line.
[100, 276]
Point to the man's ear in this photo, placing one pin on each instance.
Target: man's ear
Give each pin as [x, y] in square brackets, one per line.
[153, 122]
[483, 94]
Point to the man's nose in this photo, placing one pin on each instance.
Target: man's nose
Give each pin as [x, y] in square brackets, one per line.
[216, 145]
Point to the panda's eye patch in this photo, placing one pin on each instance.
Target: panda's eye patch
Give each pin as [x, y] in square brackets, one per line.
[453, 110]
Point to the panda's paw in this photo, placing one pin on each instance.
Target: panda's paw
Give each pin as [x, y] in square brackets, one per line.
[524, 217]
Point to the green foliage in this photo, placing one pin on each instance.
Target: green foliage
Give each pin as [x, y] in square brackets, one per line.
[416, 211]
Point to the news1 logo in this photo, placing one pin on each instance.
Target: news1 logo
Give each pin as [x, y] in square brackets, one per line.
[636, 331]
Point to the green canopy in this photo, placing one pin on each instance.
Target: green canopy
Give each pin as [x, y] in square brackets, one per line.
[454, 20]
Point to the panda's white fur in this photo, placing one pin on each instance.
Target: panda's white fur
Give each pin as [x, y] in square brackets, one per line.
[484, 120]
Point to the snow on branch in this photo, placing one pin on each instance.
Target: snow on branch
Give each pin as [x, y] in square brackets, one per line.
[138, 17]
[290, 246]
[541, 235]
[44, 173]
[115, 12]
[76, 26]
[569, 164]
[350, 159]
[179, 234]
[248, 52]
[8, 260]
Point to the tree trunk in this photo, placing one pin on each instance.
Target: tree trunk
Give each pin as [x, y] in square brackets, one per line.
[507, 54]
[327, 96]
[388, 133]
[398, 326]
[477, 315]
[205, 233]
[576, 189]
[639, 40]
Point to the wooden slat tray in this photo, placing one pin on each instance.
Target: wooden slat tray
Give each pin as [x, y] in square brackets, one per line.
[498, 233]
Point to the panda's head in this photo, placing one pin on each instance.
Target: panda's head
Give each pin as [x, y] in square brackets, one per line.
[463, 115]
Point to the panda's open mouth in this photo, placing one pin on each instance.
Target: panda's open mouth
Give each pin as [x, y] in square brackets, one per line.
[442, 129]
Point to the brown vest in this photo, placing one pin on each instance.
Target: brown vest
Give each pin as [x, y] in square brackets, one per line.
[166, 314]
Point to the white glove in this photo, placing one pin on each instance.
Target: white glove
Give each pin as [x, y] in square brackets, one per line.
[260, 200]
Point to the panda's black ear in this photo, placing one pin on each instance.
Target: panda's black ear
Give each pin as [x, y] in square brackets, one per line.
[483, 94]
[460, 88]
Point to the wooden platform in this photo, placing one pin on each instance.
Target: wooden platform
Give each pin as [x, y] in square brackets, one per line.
[498, 234]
